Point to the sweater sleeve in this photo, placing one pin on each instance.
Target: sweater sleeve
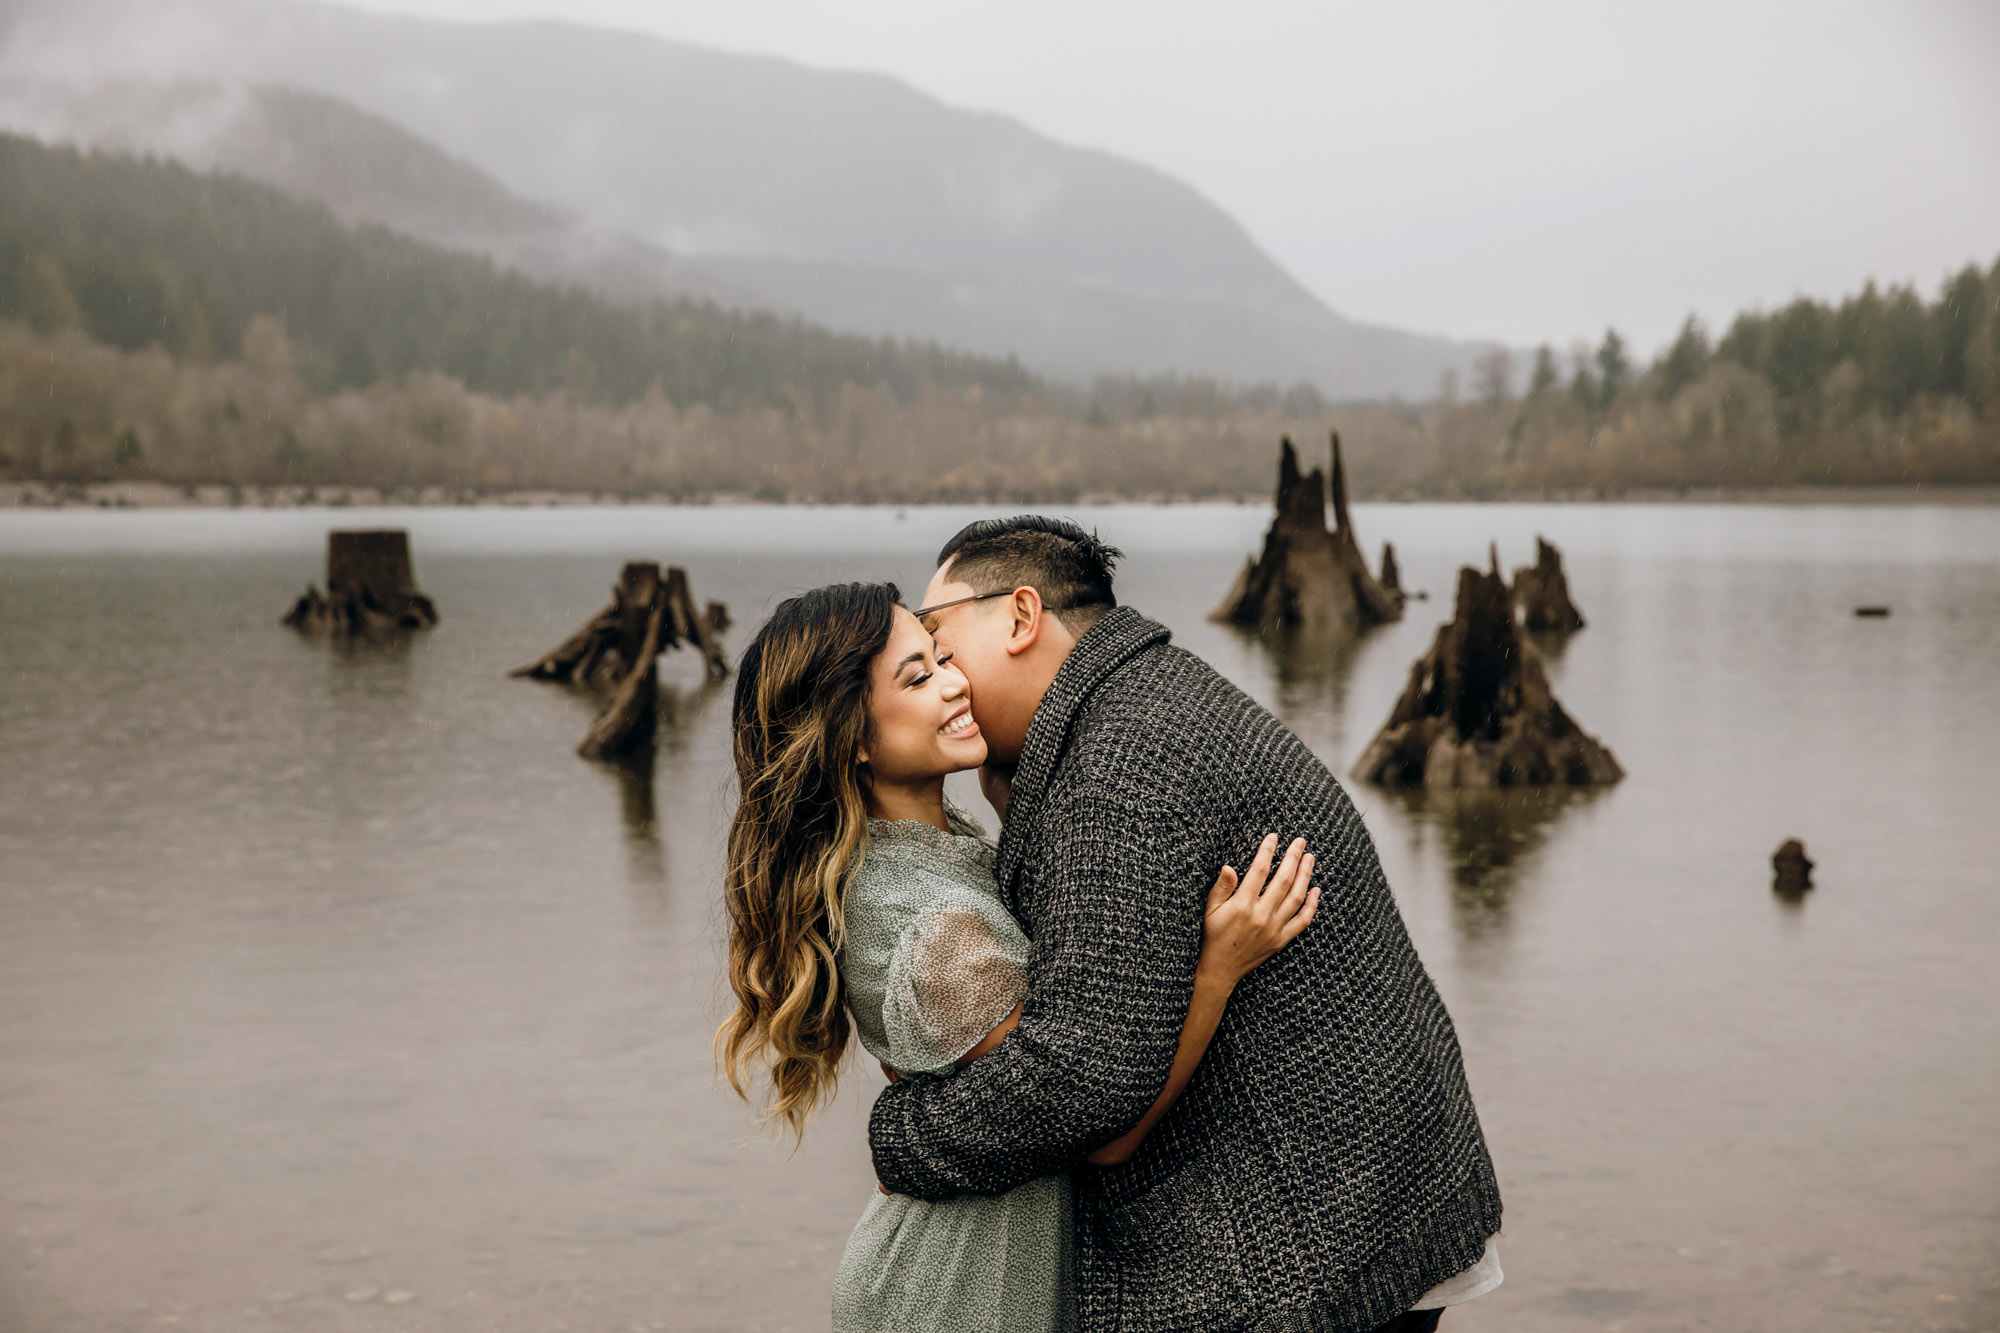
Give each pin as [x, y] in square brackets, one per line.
[1118, 917]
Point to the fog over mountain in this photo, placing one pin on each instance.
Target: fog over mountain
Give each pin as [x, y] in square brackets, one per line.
[363, 167]
[849, 198]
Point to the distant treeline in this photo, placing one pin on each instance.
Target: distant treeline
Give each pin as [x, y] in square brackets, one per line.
[158, 324]
[141, 252]
[1883, 387]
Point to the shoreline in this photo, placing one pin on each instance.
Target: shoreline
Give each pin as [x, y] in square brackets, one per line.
[151, 495]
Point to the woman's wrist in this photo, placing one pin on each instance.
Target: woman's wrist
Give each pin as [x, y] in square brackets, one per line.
[1212, 978]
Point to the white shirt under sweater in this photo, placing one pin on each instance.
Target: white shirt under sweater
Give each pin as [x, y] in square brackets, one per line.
[1473, 1283]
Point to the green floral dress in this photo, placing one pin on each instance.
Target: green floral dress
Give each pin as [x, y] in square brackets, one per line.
[932, 962]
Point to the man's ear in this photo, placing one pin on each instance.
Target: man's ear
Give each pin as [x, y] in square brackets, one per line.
[1026, 630]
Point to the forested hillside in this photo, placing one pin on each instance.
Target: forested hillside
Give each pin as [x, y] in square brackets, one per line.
[158, 324]
[846, 198]
[136, 253]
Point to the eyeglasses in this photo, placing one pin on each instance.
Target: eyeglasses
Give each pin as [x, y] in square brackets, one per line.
[923, 611]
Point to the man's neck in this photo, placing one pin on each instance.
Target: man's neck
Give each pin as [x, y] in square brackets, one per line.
[919, 801]
[1040, 673]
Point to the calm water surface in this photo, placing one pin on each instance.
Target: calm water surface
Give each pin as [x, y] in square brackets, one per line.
[335, 992]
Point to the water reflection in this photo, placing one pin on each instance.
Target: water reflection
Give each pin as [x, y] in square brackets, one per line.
[638, 809]
[368, 673]
[1312, 673]
[1490, 837]
[680, 711]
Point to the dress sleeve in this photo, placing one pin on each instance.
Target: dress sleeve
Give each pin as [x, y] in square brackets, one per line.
[957, 971]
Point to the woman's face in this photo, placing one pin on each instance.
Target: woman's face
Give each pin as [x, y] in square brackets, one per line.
[919, 711]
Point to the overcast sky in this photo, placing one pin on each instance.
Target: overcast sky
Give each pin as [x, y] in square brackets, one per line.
[1528, 171]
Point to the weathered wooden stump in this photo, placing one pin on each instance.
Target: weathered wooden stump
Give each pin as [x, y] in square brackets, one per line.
[1791, 869]
[370, 587]
[1309, 577]
[1478, 711]
[620, 645]
[1542, 592]
[1392, 577]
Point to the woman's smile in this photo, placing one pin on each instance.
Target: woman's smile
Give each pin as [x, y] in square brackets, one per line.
[960, 726]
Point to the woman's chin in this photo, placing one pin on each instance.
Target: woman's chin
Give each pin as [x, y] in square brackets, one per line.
[966, 754]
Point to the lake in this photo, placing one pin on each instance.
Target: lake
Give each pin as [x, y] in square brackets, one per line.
[337, 992]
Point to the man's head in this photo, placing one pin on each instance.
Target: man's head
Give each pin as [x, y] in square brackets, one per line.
[1026, 589]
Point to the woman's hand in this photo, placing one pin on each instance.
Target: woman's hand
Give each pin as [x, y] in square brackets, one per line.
[1245, 924]
[1248, 922]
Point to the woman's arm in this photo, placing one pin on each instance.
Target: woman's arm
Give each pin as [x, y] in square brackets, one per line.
[1242, 929]
[1243, 926]
[1097, 1038]
[989, 1041]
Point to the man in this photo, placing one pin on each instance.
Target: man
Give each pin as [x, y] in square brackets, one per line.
[1325, 1168]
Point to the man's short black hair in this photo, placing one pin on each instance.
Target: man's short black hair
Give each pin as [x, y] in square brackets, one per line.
[1068, 566]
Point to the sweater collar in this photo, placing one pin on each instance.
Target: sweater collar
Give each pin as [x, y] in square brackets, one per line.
[1118, 636]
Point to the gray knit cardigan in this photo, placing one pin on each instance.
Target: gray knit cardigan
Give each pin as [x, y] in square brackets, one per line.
[1325, 1167]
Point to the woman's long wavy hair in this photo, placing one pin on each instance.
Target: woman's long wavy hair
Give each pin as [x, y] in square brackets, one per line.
[800, 714]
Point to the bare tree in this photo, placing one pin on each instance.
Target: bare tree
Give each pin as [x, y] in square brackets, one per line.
[1493, 376]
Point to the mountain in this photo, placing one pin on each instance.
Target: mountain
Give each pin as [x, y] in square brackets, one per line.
[362, 167]
[850, 197]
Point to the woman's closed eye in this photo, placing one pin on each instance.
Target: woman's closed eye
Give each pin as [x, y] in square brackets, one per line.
[923, 675]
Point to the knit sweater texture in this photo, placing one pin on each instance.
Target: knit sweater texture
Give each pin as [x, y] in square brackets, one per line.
[1325, 1167]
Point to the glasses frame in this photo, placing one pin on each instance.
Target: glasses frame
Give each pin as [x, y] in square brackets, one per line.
[923, 611]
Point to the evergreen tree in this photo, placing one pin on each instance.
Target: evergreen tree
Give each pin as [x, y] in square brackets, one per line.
[1545, 374]
[1799, 348]
[1583, 386]
[1961, 307]
[1614, 368]
[1685, 360]
[1744, 342]
[1897, 344]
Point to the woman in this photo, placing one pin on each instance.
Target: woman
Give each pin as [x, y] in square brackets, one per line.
[854, 888]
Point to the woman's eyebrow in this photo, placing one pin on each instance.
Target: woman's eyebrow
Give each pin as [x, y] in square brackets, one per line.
[916, 657]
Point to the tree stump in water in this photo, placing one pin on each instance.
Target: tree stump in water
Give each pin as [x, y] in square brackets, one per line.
[1392, 578]
[1478, 711]
[369, 587]
[1542, 592]
[619, 646]
[1791, 869]
[1308, 577]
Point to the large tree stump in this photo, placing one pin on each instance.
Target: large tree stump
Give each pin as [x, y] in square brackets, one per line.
[1309, 577]
[370, 587]
[620, 645]
[1542, 592]
[1478, 711]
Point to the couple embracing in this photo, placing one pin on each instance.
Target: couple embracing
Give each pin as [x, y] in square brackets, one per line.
[1161, 1058]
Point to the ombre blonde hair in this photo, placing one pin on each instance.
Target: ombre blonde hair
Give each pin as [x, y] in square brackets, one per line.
[800, 715]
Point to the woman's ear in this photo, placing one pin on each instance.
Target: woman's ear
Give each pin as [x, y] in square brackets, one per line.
[1026, 630]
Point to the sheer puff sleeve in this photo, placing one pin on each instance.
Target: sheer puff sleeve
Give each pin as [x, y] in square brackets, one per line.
[958, 970]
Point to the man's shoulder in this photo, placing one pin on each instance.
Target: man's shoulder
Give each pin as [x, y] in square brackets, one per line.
[1170, 715]
[1167, 690]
